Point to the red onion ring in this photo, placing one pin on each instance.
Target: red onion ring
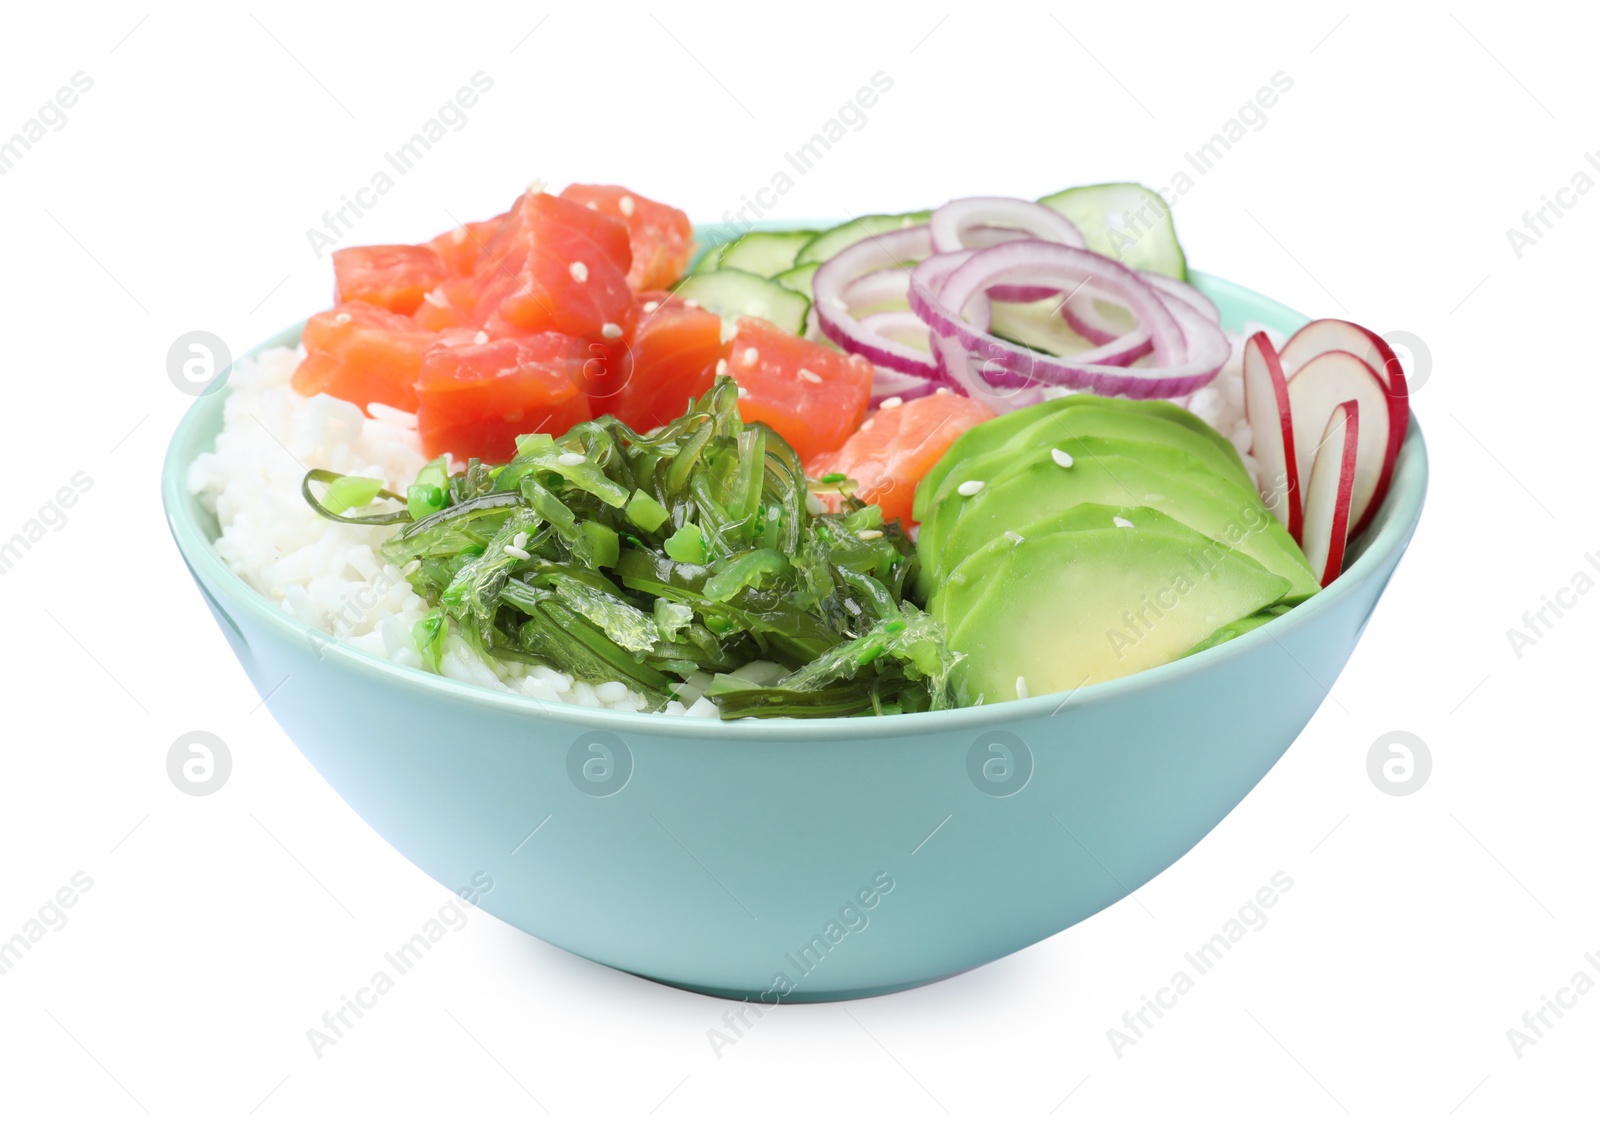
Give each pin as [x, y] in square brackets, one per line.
[875, 253]
[1172, 287]
[933, 274]
[1187, 349]
[1085, 317]
[979, 222]
[889, 383]
[882, 289]
[951, 226]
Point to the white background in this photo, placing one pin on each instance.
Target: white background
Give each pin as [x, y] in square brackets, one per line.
[218, 930]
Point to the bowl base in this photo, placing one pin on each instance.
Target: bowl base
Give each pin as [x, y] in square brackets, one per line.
[798, 996]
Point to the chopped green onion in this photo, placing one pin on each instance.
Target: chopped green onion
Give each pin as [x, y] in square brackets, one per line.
[599, 543]
[746, 571]
[645, 512]
[686, 546]
[347, 492]
[428, 634]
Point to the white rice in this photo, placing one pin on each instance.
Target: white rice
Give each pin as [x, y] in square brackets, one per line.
[328, 574]
[1221, 403]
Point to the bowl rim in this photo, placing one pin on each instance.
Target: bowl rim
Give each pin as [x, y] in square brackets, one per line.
[1385, 540]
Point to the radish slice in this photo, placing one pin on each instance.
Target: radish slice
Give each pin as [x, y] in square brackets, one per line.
[1323, 383]
[1330, 492]
[1266, 406]
[1327, 335]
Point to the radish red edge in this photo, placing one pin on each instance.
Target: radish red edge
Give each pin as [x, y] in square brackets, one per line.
[1326, 335]
[1322, 384]
[1329, 492]
[1266, 406]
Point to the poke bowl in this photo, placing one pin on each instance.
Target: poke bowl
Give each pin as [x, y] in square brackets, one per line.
[792, 858]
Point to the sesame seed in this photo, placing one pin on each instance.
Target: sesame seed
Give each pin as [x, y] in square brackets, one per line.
[579, 272]
[342, 318]
[1016, 538]
[611, 331]
[459, 233]
[436, 298]
[592, 206]
[521, 539]
[809, 376]
[722, 366]
[571, 458]
[625, 205]
[1121, 522]
[743, 392]
[1062, 459]
[1022, 687]
[970, 487]
[480, 338]
[851, 606]
[536, 186]
[750, 356]
[651, 307]
[813, 504]
[941, 391]
[892, 402]
[870, 534]
[691, 303]
[520, 554]
[411, 566]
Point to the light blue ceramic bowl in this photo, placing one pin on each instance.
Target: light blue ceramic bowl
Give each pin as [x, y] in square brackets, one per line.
[808, 859]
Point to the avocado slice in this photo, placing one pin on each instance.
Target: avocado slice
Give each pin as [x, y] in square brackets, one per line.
[1068, 430]
[1239, 627]
[1082, 414]
[1085, 605]
[1086, 518]
[1027, 497]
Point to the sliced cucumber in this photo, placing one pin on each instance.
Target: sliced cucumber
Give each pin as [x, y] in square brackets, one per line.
[798, 279]
[710, 260]
[737, 293]
[836, 239]
[766, 253]
[1038, 325]
[1126, 222]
